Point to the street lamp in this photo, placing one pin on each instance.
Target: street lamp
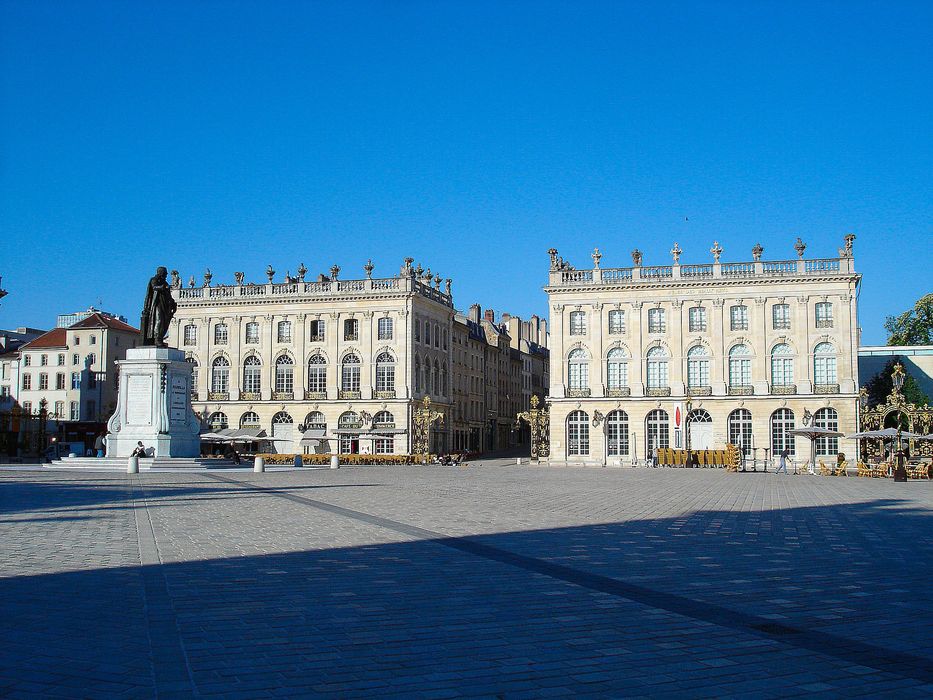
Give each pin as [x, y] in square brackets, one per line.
[689, 407]
[897, 379]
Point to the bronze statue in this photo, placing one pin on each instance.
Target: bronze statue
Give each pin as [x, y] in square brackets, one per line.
[158, 310]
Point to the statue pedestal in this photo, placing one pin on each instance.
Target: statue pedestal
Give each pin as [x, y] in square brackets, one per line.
[154, 406]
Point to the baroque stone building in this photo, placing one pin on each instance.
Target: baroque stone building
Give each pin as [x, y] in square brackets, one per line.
[332, 365]
[753, 349]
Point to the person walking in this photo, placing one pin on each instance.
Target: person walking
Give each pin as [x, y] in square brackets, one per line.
[99, 445]
[782, 464]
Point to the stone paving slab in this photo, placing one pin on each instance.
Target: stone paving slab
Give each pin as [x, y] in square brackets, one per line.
[478, 581]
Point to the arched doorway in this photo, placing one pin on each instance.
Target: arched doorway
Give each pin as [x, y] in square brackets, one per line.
[700, 425]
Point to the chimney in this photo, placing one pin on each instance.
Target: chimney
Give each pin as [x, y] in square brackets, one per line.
[490, 315]
[474, 313]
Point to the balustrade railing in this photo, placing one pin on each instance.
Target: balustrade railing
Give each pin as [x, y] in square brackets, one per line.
[657, 272]
[738, 269]
[299, 289]
[693, 271]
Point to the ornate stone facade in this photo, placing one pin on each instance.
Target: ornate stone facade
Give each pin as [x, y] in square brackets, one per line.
[750, 344]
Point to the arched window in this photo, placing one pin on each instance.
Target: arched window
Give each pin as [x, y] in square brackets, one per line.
[740, 429]
[250, 419]
[617, 369]
[427, 333]
[220, 334]
[315, 420]
[217, 421]
[282, 418]
[384, 419]
[782, 365]
[193, 361]
[657, 368]
[350, 375]
[617, 433]
[782, 421]
[699, 415]
[349, 419]
[437, 336]
[829, 419]
[740, 366]
[697, 366]
[442, 382]
[432, 378]
[252, 374]
[284, 374]
[317, 374]
[418, 380]
[578, 369]
[220, 375]
[384, 328]
[578, 434]
[385, 371]
[824, 364]
[657, 430]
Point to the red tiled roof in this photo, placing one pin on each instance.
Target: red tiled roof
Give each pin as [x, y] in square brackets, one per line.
[55, 338]
[100, 321]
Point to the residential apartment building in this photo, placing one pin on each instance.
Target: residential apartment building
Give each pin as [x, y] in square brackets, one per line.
[73, 370]
[336, 365]
[10, 342]
[756, 347]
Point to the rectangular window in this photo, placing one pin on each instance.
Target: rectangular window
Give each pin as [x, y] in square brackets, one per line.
[60, 409]
[252, 333]
[73, 413]
[191, 335]
[77, 340]
[76, 359]
[697, 319]
[317, 378]
[284, 333]
[93, 340]
[75, 380]
[384, 446]
[616, 322]
[656, 322]
[317, 331]
[27, 406]
[738, 316]
[824, 315]
[824, 370]
[43, 360]
[27, 382]
[4, 390]
[577, 323]
[780, 317]
[740, 372]
[384, 329]
[27, 360]
[43, 381]
[61, 360]
[351, 329]
[221, 334]
[657, 374]
[698, 373]
[350, 377]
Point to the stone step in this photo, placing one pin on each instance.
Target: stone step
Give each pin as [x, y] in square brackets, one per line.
[146, 463]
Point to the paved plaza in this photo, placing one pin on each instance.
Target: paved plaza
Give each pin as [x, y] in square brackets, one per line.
[498, 581]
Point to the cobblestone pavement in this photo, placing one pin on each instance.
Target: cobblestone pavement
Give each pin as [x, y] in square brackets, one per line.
[434, 582]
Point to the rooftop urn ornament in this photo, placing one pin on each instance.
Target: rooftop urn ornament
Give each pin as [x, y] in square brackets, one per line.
[208, 276]
[270, 273]
[447, 284]
[334, 272]
[427, 275]
[716, 250]
[176, 280]
[554, 264]
[849, 239]
[597, 256]
[368, 269]
[676, 252]
[800, 246]
[437, 282]
[191, 281]
[419, 271]
[302, 271]
[238, 276]
[757, 251]
[636, 257]
[406, 268]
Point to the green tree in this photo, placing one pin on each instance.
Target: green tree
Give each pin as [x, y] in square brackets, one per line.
[881, 385]
[913, 327]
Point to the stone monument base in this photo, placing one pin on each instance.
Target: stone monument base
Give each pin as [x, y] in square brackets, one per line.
[154, 406]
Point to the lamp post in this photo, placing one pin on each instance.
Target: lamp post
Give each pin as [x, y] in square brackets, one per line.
[689, 406]
[897, 379]
[862, 407]
[424, 416]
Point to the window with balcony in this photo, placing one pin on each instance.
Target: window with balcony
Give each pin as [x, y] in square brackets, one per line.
[220, 334]
[696, 319]
[350, 374]
[697, 367]
[782, 365]
[220, 376]
[740, 366]
[617, 369]
[252, 333]
[616, 322]
[316, 329]
[824, 315]
[317, 374]
[190, 335]
[384, 328]
[385, 373]
[577, 323]
[252, 375]
[656, 321]
[351, 329]
[578, 370]
[780, 317]
[824, 365]
[284, 375]
[738, 318]
[657, 374]
[284, 332]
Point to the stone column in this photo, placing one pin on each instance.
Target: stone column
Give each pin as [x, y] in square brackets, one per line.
[637, 365]
[678, 360]
[598, 343]
[719, 345]
[332, 342]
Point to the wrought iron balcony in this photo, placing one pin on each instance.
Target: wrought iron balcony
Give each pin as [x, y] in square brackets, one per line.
[824, 323]
[699, 391]
[658, 391]
[218, 396]
[250, 396]
[283, 396]
[386, 394]
[317, 338]
[351, 336]
[825, 388]
[621, 391]
[315, 395]
[578, 393]
[783, 389]
[347, 394]
[741, 390]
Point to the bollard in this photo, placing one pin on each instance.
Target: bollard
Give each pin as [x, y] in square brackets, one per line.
[259, 464]
[334, 462]
[132, 465]
[297, 461]
[518, 461]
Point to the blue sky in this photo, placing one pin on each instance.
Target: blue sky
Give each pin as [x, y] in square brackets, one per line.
[472, 136]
